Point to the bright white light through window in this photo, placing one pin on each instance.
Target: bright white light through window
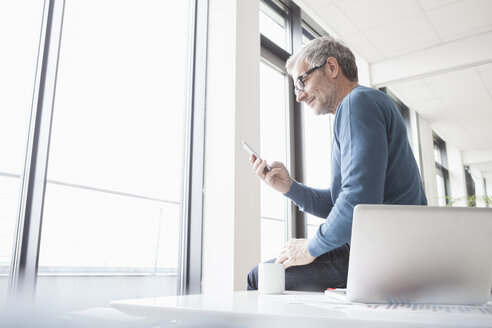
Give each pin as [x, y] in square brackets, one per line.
[273, 148]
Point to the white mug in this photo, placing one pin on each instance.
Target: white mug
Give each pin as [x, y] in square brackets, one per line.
[271, 278]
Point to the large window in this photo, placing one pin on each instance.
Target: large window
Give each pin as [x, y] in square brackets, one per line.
[442, 173]
[273, 122]
[113, 193]
[112, 201]
[301, 140]
[20, 26]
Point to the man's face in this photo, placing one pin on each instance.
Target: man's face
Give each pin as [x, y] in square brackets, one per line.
[319, 91]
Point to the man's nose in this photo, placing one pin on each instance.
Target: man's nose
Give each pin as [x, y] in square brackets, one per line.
[300, 96]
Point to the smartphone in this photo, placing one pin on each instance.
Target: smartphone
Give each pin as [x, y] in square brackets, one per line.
[251, 151]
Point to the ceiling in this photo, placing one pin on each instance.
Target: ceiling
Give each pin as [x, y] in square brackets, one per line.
[435, 55]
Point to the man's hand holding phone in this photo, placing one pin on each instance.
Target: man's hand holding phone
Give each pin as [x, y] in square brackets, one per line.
[275, 175]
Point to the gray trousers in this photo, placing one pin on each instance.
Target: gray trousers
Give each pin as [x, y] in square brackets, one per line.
[327, 271]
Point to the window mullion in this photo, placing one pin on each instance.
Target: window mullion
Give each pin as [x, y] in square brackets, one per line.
[190, 257]
[298, 221]
[22, 284]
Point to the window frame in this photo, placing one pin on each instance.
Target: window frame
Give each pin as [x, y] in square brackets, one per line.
[470, 187]
[24, 265]
[190, 256]
[442, 168]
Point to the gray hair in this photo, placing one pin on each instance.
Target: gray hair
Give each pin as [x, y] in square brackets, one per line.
[317, 51]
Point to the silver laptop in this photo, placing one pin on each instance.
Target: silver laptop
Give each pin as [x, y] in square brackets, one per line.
[420, 254]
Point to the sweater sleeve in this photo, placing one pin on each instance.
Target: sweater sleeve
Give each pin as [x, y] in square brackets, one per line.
[313, 201]
[360, 132]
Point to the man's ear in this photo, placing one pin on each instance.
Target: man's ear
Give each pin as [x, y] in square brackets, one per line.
[332, 67]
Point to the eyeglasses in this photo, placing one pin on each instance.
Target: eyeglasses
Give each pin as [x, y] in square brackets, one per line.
[299, 85]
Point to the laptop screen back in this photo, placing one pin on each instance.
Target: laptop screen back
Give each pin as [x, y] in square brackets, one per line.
[420, 254]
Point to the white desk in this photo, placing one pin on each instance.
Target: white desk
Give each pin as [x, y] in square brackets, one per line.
[249, 309]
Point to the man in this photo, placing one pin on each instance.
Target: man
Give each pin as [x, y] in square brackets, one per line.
[371, 163]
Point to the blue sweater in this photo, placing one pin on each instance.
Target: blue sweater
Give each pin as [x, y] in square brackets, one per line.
[371, 163]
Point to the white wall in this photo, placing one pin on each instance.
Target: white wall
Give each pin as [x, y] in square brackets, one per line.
[363, 70]
[488, 180]
[231, 213]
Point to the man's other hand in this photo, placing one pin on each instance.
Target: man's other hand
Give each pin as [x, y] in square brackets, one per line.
[295, 252]
[278, 177]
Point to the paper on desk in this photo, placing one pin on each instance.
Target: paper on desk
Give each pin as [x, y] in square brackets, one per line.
[314, 299]
[485, 309]
[327, 302]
